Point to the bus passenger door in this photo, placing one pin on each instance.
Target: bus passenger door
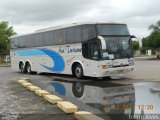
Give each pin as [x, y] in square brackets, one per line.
[91, 53]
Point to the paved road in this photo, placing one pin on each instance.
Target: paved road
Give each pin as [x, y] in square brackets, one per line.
[147, 70]
[16, 99]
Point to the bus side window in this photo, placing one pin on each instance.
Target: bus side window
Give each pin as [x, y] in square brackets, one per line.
[94, 51]
[85, 50]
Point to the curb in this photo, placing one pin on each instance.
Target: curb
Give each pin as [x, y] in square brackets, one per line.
[65, 106]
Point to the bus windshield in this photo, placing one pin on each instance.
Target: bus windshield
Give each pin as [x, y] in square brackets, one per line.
[118, 47]
[112, 29]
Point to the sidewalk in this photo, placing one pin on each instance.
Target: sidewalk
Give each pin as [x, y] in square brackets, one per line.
[5, 65]
[146, 58]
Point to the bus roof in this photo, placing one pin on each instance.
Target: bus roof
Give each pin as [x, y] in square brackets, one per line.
[64, 26]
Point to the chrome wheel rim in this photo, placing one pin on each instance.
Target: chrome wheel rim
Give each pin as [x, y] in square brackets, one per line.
[22, 68]
[78, 71]
[29, 69]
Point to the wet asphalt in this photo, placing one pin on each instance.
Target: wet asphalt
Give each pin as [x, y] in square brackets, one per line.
[17, 102]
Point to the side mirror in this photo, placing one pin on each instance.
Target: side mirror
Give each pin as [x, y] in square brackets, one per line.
[132, 36]
[103, 42]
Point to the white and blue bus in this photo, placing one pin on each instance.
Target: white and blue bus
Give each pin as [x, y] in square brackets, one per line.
[88, 49]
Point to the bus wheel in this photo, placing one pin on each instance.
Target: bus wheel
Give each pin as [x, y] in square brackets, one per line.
[28, 68]
[78, 71]
[78, 89]
[22, 67]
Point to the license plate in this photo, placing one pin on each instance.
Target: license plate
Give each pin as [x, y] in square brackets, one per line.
[120, 71]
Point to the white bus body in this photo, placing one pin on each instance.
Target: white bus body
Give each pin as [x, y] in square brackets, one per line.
[84, 58]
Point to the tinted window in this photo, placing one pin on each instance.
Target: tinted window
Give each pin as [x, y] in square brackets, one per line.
[90, 50]
[70, 35]
[94, 50]
[22, 42]
[88, 32]
[48, 38]
[60, 37]
[112, 29]
[18, 42]
[74, 35]
[38, 40]
[85, 50]
[29, 41]
[14, 43]
[119, 47]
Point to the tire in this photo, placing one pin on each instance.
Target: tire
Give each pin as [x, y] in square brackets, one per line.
[28, 68]
[78, 89]
[78, 71]
[22, 68]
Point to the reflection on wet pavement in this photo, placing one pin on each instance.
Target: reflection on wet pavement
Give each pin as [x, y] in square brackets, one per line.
[112, 98]
[147, 98]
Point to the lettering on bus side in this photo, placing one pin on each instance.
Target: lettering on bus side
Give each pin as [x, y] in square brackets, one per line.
[68, 49]
[61, 50]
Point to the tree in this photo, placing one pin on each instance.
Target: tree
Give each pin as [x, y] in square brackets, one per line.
[147, 43]
[153, 40]
[155, 27]
[135, 45]
[6, 32]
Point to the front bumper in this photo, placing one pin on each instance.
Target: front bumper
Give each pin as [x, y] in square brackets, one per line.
[115, 71]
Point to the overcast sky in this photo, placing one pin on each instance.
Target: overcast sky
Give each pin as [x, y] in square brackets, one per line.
[29, 15]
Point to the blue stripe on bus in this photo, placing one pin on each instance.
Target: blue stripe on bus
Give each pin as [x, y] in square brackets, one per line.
[58, 61]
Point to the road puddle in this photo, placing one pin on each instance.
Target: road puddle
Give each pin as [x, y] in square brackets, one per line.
[111, 98]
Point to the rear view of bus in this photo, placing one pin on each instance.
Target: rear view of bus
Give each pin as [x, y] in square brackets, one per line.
[90, 49]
